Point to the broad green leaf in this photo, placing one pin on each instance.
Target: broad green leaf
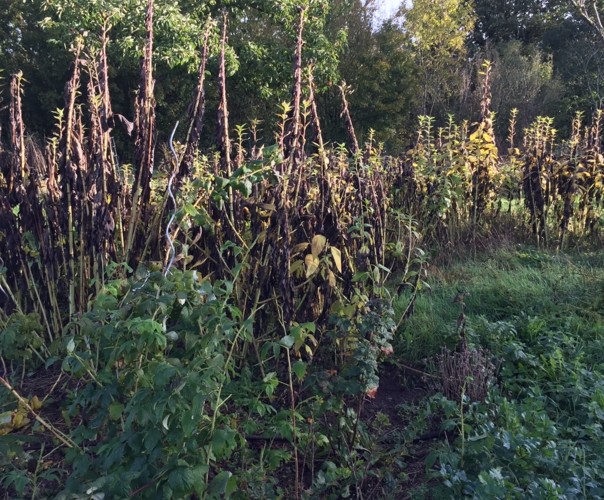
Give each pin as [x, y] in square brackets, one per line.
[271, 382]
[299, 368]
[152, 438]
[331, 279]
[220, 484]
[223, 442]
[288, 341]
[221, 182]
[163, 374]
[247, 187]
[116, 410]
[181, 479]
[297, 268]
[360, 277]
[310, 326]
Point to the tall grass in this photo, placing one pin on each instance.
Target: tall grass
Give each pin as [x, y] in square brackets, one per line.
[510, 283]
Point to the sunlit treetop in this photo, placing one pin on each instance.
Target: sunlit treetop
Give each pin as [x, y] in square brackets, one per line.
[439, 25]
[178, 25]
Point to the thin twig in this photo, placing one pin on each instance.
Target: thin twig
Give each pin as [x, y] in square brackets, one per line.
[66, 440]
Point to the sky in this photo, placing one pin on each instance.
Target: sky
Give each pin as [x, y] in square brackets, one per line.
[388, 7]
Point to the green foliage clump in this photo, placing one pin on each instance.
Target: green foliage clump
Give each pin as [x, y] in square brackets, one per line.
[538, 433]
[153, 355]
[163, 401]
[22, 339]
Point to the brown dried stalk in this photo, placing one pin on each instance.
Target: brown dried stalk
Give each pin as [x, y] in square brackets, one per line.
[294, 129]
[16, 174]
[354, 144]
[222, 134]
[196, 114]
[144, 143]
[64, 438]
[481, 179]
[71, 161]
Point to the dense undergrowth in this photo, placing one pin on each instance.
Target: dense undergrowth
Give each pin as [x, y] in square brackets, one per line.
[538, 432]
[213, 323]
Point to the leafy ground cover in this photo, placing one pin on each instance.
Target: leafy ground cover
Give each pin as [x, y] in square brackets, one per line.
[538, 432]
[169, 410]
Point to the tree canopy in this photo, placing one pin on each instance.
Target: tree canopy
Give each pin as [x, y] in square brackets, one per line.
[422, 61]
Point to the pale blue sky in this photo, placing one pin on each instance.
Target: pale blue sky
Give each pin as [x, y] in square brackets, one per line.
[388, 7]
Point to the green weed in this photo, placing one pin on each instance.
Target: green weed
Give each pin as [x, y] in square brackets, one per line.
[539, 432]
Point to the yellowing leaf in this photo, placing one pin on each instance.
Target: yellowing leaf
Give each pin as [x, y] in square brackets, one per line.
[376, 275]
[36, 404]
[331, 279]
[20, 420]
[300, 247]
[318, 244]
[337, 257]
[297, 268]
[312, 264]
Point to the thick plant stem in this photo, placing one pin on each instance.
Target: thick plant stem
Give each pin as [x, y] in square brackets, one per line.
[292, 399]
[144, 128]
[196, 114]
[352, 136]
[292, 136]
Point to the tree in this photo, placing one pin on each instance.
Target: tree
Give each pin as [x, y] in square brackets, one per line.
[376, 64]
[524, 20]
[25, 46]
[35, 34]
[263, 40]
[525, 35]
[350, 22]
[590, 12]
[578, 55]
[385, 84]
[523, 78]
[439, 31]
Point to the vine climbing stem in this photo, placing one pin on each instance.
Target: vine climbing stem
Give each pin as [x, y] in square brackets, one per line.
[169, 240]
